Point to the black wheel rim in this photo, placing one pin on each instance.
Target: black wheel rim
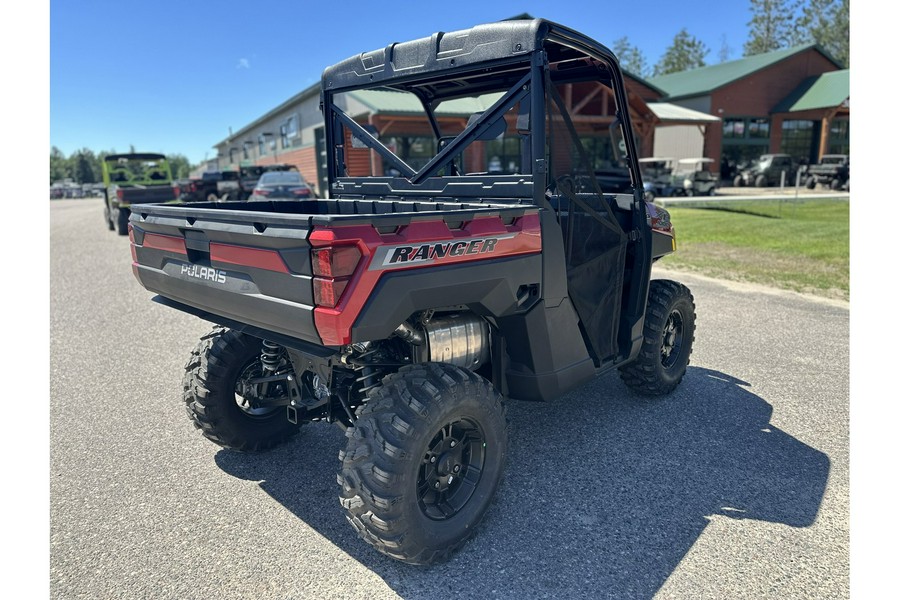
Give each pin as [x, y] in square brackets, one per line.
[451, 469]
[672, 339]
[244, 392]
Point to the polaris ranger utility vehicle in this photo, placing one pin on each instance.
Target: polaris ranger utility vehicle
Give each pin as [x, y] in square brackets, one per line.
[405, 306]
[135, 178]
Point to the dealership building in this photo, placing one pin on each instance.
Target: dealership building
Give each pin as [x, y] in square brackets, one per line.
[794, 101]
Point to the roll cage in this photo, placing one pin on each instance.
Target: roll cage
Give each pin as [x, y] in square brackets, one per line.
[521, 61]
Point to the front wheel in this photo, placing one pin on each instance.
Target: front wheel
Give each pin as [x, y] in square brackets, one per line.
[107, 215]
[218, 394]
[761, 181]
[423, 461]
[668, 340]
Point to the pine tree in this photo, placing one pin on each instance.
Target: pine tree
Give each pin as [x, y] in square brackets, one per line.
[83, 165]
[724, 50]
[827, 23]
[774, 25]
[685, 52]
[630, 57]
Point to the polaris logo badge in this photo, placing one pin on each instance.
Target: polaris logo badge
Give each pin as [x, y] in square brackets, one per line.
[206, 273]
[392, 257]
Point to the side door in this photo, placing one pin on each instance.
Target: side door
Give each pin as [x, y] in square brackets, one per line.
[582, 159]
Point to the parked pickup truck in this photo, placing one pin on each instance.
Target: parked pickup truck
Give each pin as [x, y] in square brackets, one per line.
[404, 308]
[132, 179]
[832, 172]
[212, 186]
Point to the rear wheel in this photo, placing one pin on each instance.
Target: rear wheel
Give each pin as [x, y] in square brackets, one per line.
[423, 461]
[810, 183]
[122, 215]
[216, 393]
[738, 181]
[668, 340]
[761, 181]
[212, 198]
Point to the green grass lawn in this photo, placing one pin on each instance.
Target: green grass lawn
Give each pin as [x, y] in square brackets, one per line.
[800, 245]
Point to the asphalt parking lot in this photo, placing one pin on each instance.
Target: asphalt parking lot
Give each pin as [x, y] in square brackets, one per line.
[735, 486]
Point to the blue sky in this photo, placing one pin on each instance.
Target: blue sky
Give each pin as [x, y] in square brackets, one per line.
[173, 76]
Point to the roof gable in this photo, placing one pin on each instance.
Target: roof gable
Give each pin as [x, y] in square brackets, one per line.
[827, 90]
[695, 82]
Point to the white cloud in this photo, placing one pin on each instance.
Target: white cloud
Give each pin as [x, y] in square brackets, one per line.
[243, 63]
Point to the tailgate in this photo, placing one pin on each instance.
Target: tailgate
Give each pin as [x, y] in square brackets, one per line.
[229, 269]
[147, 195]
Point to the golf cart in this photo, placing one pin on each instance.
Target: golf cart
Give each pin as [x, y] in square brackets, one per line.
[693, 177]
[656, 172]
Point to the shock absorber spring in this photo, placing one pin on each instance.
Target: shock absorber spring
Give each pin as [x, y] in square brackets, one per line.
[368, 379]
[272, 356]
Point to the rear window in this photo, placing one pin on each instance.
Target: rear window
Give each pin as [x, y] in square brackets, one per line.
[280, 177]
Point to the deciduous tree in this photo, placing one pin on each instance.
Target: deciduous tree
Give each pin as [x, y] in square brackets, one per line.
[59, 165]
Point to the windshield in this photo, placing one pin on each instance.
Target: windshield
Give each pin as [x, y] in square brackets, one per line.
[144, 171]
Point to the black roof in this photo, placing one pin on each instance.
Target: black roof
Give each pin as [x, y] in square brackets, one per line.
[136, 156]
[504, 41]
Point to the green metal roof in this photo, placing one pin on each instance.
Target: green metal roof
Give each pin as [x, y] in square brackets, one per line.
[696, 82]
[400, 103]
[827, 90]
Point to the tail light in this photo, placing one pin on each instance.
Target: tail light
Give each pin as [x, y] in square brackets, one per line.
[302, 192]
[261, 192]
[120, 194]
[332, 269]
[176, 190]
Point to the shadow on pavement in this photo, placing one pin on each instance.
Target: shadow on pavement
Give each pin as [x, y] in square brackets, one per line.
[604, 494]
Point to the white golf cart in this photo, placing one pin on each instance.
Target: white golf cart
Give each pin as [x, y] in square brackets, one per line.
[693, 177]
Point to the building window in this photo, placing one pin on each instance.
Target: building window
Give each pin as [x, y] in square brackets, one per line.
[261, 144]
[733, 128]
[797, 137]
[598, 151]
[415, 151]
[290, 129]
[745, 128]
[504, 155]
[839, 137]
[758, 128]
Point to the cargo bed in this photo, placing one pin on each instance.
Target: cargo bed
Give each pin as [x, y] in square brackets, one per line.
[251, 262]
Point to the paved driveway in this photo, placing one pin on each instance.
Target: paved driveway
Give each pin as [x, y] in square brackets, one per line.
[736, 486]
